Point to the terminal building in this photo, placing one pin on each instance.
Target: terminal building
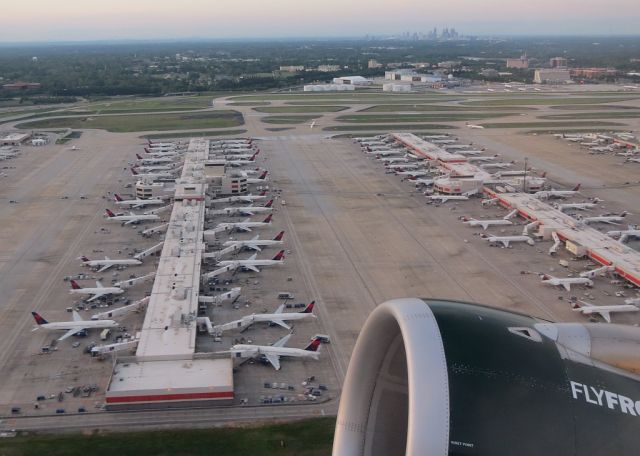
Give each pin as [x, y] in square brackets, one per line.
[166, 371]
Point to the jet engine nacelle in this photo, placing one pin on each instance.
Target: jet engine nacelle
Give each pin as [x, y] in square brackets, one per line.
[431, 377]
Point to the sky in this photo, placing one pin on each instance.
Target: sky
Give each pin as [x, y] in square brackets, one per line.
[78, 20]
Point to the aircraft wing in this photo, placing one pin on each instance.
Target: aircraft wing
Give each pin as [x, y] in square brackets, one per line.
[99, 284]
[247, 213]
[281, 323]
[104, 268]
[274, 360]
[567, 286]
[95, 296]
[243, 228]
[76, 316]
[253, 247]
[251, 267]
[283, 341]
[70, 333]
[279, 309]
[606, 315]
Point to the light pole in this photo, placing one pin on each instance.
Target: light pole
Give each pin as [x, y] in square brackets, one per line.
[524, 181]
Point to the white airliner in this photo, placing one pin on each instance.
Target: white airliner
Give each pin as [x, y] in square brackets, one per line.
[496, 165]
[633, 160]
[507, 240]
[155, 160]
[443, 198]
[605, 312]
[272, 353]
[497, 222]
[131, 218]
[477, 127]
[98, 292]
[413, 173]
[162, 175]
[245, 225]
[610, 219]
[258, 180]
[78, 325]
[252, 263]
[278, 317]
[578, 206]
[393, 160]
[105, 264]
[247, 210]
[256, 242]
[545, 194]
[240, 198]
[566, 282]
[136, 203]
[624, 235]
[157, 168]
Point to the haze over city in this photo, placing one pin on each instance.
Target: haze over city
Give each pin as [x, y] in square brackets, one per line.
[73, 20]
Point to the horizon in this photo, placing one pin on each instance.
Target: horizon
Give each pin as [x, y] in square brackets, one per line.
[75, 21]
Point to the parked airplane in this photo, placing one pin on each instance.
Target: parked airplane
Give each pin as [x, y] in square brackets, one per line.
[245, 225]
[278, 317]
[98, 292]
[507, 240]
[478, 127]
[566, 282]
[605, 312]
[487, 223]
[131, 218]
[553, 193]
[272, 353]
[78, 325]
[247, 210]
[163, 175]
[390, 160]
[256, 242]
[240, 198]
[252, 263]
[578, 206]
[105, 264]
[611, 219]
[258, 180]
[624, 235]
[443, 198]
[136, 203]
[219, 299]
[155, 160]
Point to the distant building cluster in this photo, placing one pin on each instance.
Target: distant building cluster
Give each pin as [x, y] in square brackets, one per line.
[522, 62]
[22, 86]
[551, 76]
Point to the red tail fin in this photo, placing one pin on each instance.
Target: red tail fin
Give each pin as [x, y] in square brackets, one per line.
[134, 172]
[147, 150]
[109, 213]
[268, 219]
[576, 305]
[117, 197]
[279, 256]
[269, 203]
[264, 193]
[75, 286]
[253, 158]
[263, 175]
[577, 187]
[309, 308]
[544, 175]
[314, 345]
[39, 320]
[139, 157]
[84, 258]
[279, 236]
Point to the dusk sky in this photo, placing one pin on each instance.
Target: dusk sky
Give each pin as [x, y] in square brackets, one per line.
[46, 20]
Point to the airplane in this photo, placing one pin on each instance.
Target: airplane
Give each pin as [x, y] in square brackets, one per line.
[258, 180]
[131, 218]
[413, 173]
[136, 203]
[219, 299]
[545, 194]
[393, 160]
[611, 219]
[633, 160]
[506, 240]
[98, 292]
[402, 166]
[108, 262]
[480, 159]
[478, 127]
[624, 235]
[605, 312]
[487, 223]
[312, 124]
[256, 242]
[272, 353]
[469, 152]
[578, 206]
[78, 325]
[278, 317]
[164, 175]
[247, 210]
[566, 282]
[240, 198]
[499, 165]
[444, 198]
[422, 182]
[252, 263]
[245, 225]
[155, 160]
[239, 162]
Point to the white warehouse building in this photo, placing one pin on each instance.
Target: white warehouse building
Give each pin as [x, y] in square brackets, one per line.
[328, 87]
[393, 87]
[352, 80]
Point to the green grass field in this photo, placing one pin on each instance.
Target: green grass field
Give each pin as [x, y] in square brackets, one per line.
[249, 103]
[303, 438]
[300, 109]
[389, 127]
[195, 134]
[544, 101]
[585, 123]
[438, 108]
[152, 104]
[146, 122]
[288, 119]
[438, 117]
[594, 107]
[594, 115]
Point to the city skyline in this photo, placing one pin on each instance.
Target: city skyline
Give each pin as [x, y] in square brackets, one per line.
[72, 20]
